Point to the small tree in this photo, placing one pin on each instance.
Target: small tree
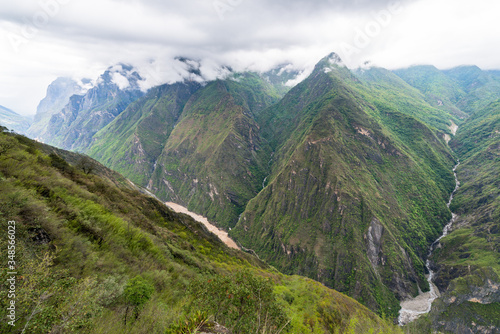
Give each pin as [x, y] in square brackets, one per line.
[137, 292]
[85, 164]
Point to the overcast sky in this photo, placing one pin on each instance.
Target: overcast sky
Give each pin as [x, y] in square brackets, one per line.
[43, 39]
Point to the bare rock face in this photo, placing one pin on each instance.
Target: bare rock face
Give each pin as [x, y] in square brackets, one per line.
[478, 290]
[375, 232]
[212, 327]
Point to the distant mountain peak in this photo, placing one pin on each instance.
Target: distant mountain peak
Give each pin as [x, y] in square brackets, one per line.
[201, 71]
[285, 74]
[329, 62]
[125, 76]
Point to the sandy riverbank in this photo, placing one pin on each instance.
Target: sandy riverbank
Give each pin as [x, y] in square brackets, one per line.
[223, 235]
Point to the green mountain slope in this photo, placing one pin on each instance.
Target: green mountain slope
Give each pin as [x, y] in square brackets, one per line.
[440, 90]
[468, 261]
[481, 87]
[92, 254]
[13, 120]
[210, 162]
[194, 145]
[356, 193]
[132, 143]
[459, 91]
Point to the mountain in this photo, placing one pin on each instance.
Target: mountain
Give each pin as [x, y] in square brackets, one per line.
[467, 259]
[481, 87]
[440, 90]
[57, 96]
[192, 144]
[343, 178]
[73, 125]
[460, 90]
[356, 190]
[13, 120]
[390, 91]
[132, 143]
[94, 254]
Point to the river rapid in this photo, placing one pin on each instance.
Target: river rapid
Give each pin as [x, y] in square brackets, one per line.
[412, 308]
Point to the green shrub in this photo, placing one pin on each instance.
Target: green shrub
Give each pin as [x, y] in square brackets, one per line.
[137, 292]
[242, 301]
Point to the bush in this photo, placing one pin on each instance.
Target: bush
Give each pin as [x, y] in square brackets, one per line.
[137, 292]
[243, 302]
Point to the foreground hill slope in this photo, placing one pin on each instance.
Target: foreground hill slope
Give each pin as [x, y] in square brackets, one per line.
[95, 255]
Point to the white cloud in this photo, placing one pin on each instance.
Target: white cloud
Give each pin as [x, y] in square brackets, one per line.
[83, 38]
[121, 81]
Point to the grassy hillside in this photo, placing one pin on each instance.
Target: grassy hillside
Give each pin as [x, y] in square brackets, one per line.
[357, 190]
[94, 255]
[481, 87]
[459, 91]
[422, 100]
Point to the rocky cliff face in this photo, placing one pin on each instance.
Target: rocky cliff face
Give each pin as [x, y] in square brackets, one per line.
[58, 95]
[73, 125]
[470, 304]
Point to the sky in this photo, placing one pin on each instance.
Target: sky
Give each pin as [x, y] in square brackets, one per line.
[41, 40]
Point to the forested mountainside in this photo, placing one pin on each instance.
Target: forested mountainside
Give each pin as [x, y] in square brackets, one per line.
[468, 260]
[344, 178]
[193, 145]
[93, 254]
[356, 193]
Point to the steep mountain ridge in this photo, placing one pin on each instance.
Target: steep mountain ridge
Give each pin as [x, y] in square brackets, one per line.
[210, 162]
[57, 96]
[342, 179]
[133, 142]
[185, 139]
[73, 126]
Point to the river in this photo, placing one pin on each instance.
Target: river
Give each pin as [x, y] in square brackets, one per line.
[412, 308]
[223, 235]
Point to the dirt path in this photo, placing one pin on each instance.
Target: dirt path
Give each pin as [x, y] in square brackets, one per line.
[223, 235]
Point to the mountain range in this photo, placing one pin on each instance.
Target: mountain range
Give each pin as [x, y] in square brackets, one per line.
[13, 120]
[343, 178]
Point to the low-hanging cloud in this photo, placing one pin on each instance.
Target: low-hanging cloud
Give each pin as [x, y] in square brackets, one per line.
[43, 39]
